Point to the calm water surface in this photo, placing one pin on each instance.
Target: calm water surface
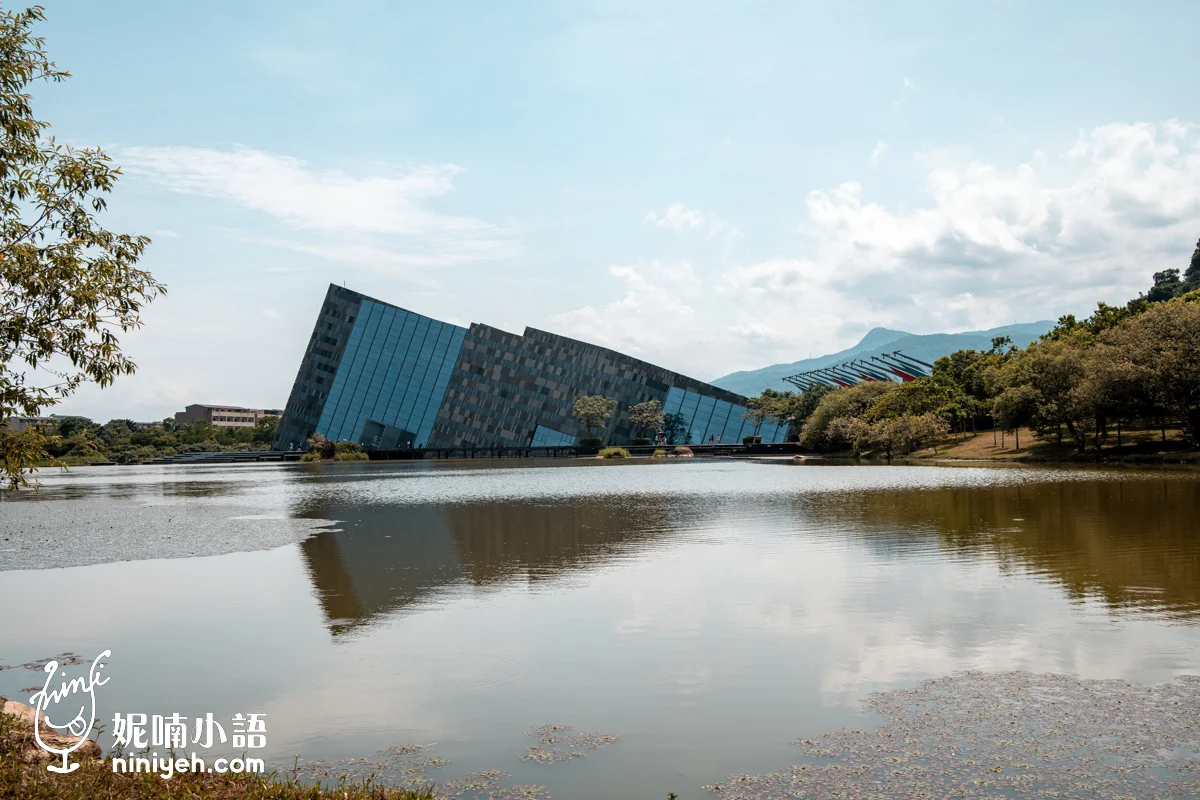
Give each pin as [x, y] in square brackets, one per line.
[707, 612]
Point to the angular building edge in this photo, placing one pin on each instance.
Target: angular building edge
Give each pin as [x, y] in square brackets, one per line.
[386, 377]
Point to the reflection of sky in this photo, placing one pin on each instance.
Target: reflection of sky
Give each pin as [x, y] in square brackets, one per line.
[708, 631]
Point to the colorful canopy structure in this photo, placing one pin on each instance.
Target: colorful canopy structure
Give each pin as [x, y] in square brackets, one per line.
[895, 367]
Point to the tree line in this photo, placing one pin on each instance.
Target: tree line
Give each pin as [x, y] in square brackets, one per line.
[79, 440]
[1081, 385]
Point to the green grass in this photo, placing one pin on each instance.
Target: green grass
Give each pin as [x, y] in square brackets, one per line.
[1137, 446]
[614, 452]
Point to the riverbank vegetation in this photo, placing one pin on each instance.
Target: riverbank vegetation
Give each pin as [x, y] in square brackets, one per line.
[1088, 388]
[322, 449]
[72, 441]
[1138, 446]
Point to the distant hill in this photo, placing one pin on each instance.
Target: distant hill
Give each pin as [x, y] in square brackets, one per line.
[927, 347]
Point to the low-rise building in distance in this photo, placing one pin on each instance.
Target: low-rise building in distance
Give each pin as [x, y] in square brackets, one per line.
[224, 416]
[19, 424]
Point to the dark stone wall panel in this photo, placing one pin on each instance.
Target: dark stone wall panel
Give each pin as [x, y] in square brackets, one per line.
[320, 363]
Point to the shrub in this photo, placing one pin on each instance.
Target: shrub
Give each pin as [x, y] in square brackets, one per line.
[311, 455]
[349, 456]
[682, 452]
[590, 441]
[324, 447]
[348, 447]
[852, 401]
[893, 435]
[659, 453]
[614, 452]
[201, 447]
[639, 441]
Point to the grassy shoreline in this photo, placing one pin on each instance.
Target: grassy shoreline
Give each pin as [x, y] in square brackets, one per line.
[30, 780]
[1137, 447]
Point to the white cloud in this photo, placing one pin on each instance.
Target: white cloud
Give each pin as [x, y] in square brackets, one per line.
[656, 290]
[996, 245]
[680, 218]
[878, 152]
[376, 219]
[906, 90]
[757, 335]
[992, 245]
[677, 217]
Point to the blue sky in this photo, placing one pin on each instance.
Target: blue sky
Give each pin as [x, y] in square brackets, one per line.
[709, 186]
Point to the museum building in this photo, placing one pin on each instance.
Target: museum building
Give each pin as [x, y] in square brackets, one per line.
[388, 378]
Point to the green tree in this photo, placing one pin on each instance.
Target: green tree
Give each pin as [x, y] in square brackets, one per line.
[903, 434]
[593, 411]
[1166, 285]
[1054, 371]
[852, 401]
[803, 407]
[760, 409]
[675, 428]
[67, 285]
[854, 431]
[894, 435]
[647, 415]
[117, 433]
[1114, 387]
[1192, 275]
[922, 396]
[1102, 319]
[265, 429]
[69, 426]
[1002, 344]
[1016, 407]
[790, 407]
[1162, 347]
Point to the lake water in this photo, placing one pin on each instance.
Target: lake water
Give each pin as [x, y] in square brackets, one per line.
[707, 612]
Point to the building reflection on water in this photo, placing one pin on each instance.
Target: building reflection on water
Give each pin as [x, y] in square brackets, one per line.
[393, 557]
[1135, 545]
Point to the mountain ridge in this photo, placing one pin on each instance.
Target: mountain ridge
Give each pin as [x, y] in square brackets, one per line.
[924, 346]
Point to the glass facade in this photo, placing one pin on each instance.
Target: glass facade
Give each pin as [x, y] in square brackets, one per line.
[392, 378]
[707, 416]
[548, 437]
[387, 378]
